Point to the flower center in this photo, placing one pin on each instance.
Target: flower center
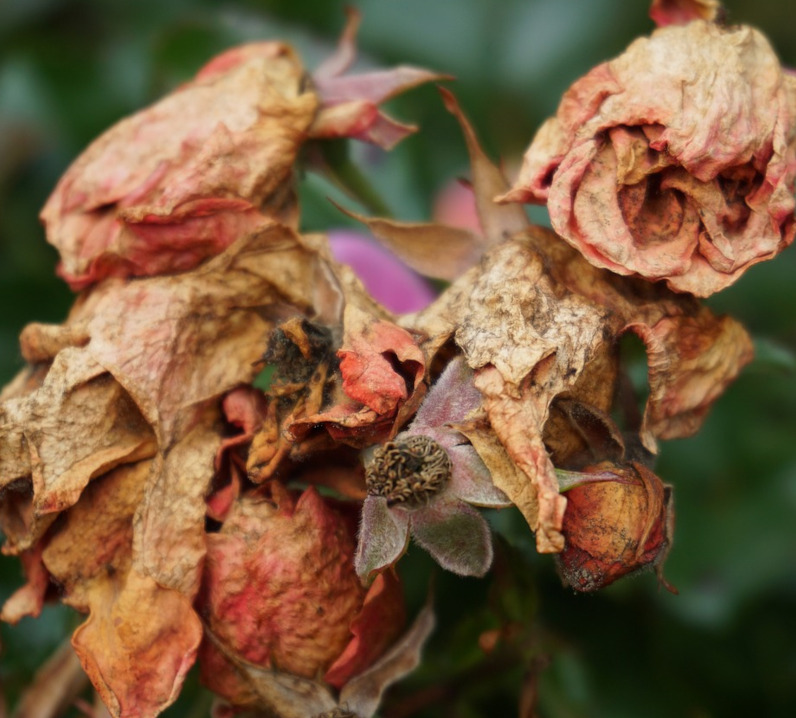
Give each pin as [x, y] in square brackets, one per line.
[408, 471]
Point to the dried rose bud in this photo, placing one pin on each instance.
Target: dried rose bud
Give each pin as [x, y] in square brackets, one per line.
[616, 525]
[280, 591]
[674, 161]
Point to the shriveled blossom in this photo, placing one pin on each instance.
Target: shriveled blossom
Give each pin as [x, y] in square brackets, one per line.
[676, 160]
[617, 524]
[280, 595]
[423, 483]
[178, 182]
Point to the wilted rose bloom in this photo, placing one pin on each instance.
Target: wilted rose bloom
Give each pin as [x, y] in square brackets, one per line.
[386, 277]
[674, 161]
[615, 525]
[280, 591]
[179, 181]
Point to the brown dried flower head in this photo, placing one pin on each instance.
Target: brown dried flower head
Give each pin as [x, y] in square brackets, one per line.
[615, 526]
[408, 471]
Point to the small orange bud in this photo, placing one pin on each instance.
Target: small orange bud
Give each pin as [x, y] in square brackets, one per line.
[615, 526]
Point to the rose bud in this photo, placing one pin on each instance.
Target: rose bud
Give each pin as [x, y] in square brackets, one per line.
[674, 161]
[615, 523]
[280, 592]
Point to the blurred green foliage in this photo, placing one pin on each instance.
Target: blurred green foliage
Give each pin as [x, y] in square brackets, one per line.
[726, 646]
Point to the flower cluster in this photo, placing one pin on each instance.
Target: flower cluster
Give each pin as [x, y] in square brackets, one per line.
[224, 452]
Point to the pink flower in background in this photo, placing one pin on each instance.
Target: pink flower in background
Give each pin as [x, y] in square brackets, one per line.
[385, 276]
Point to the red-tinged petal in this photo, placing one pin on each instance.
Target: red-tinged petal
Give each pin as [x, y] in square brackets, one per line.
[350, 103]
[368, 357]
[178, 182]
[29, 599]
[279, 586]
[691, 186]
[680, 12]
[383, 536]
[456, 536]
[379, 622]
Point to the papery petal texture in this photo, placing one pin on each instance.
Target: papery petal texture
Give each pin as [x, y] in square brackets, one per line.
[178, 182]
[674, 161]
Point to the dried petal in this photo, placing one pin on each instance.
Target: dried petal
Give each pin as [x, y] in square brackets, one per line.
[350, 103]
[140, 639]
[371, 350]
[280, 590]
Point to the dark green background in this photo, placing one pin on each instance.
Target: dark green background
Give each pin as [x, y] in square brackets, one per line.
[726, 646]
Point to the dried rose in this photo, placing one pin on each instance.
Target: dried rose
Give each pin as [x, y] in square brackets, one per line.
[280, 592]
[180, 181]
[615, 525]
[423, 483]
[674, 161]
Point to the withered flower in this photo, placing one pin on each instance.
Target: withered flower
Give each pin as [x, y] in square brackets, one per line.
[674, 161]
[178, 182]
[617, 521]
[423, 482]
[283, 606]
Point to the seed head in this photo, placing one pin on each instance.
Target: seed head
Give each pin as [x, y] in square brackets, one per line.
[408, 471]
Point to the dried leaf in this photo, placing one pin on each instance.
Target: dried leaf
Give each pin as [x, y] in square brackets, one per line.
[433, 250]
[362, 695]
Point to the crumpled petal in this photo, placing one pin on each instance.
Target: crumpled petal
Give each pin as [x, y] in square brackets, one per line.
[373, 630]
[350, 103]
[140, 638]
[371, 350]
